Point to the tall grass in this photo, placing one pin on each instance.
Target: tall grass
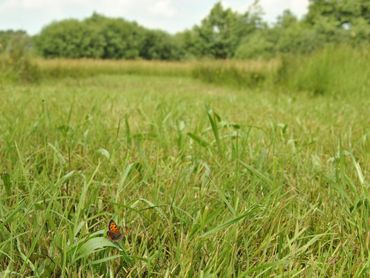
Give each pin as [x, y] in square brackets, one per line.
[335, 70]
[16, 64]
[60, 68]
[237, 74]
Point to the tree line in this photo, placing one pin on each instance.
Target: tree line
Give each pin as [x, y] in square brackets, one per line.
[223, 34]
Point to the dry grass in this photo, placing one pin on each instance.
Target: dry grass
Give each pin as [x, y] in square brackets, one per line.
[88, 67]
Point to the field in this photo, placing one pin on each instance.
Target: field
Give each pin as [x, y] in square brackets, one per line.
[207, 179]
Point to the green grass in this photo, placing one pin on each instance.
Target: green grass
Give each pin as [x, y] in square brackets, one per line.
[209, 181]
[336, 70]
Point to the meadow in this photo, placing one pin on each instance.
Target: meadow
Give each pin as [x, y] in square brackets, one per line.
[242, 169]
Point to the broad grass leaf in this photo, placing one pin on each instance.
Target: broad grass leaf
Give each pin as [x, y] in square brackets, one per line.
[227, 223]
[106, 259]
[93, 245]
[257, 173]
[198, 139]
[7, 183]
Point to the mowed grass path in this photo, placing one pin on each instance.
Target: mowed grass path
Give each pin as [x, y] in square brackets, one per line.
[207, 180]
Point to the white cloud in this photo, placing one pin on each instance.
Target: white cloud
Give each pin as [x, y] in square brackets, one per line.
[163, 8]
[274, 8]
[237, 5]
[271, 8]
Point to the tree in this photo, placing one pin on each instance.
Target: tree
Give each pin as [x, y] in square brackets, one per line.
[70, 39]
[189, 44]
[340, 21]
[220, 33]
[8, 37]
[103, 37]
[294, 36]
[342, 12]
[258, 45]
[158, 45]
[95, 37]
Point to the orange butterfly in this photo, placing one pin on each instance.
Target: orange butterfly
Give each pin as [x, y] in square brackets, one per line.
[114, 232]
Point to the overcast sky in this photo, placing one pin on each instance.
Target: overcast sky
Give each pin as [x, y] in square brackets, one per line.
[170, 15]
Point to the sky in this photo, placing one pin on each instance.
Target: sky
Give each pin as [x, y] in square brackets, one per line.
[169, 15]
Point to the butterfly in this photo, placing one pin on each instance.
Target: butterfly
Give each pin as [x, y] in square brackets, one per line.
[114, 232]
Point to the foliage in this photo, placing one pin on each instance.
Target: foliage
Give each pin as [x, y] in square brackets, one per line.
[158, 45]
[107, 38]
[293, 36]
[218, 36]
[340, 21]
[220, 33]
[188, 42]
[95, 37]
[342, 13]
[121, 39]
[257, 45]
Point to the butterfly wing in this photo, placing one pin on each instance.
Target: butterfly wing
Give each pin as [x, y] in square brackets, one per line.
[113, 231]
